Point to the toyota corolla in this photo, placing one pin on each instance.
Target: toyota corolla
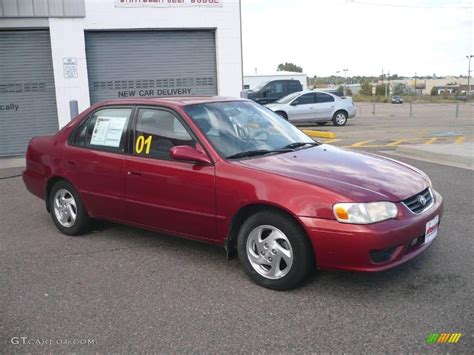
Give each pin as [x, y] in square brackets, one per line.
[233, 173]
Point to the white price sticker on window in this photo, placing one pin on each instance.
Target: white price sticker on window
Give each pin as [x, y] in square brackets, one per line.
[108, 131]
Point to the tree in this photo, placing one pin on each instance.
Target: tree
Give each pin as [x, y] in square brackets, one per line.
[340, 89]
[380, 90]
[434, 91]
[289, 67]
[400, 89]
[365, 88]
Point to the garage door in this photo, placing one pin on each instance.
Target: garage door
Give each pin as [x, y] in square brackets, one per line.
[27, 96]
[151, 63]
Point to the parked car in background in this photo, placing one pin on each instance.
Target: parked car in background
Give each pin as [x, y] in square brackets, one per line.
[315, 106]
[232, 173]
[271, 91]
[396, 99]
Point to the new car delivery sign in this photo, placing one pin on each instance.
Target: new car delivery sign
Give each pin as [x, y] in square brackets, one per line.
[168, 3]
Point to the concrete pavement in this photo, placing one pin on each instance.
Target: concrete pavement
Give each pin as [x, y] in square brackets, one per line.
[460, 155]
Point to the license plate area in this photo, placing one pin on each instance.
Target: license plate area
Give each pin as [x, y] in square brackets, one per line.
[431, 231]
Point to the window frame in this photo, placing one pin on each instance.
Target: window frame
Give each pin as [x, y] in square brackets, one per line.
[125, 135]
[307, 93]
[180, 118]
[324, 94]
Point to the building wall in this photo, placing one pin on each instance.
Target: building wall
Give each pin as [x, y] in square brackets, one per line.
[67, 40]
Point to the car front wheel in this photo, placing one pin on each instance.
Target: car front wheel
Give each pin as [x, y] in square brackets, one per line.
[340, 118]
[275, 251]
[67, 209]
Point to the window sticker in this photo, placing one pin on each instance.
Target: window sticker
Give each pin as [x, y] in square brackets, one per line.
[108, 131]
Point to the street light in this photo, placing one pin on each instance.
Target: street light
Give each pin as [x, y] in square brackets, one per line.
[345, 80]
[469, 75]
[335, 80]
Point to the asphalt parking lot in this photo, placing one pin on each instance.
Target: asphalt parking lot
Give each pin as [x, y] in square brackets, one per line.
[121, 289]
[392, 126]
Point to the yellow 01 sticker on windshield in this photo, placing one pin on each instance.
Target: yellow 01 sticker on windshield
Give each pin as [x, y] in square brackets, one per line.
[143, 144]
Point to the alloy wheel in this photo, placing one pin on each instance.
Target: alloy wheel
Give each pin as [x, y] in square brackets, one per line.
[269, 252]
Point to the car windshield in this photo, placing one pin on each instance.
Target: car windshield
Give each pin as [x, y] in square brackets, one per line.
[259, 86]
[242, 128]
[288, 98]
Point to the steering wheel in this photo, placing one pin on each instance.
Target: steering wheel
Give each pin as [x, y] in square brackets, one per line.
[256, 134]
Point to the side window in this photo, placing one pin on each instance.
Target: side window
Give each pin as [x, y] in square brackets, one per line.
[294, 86]
[105, 129]
[156, 132]
[321, 98]
[305, 99]
[278, 88]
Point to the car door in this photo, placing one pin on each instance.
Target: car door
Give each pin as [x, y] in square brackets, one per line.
[273, 91]
[302, 108]
[94, 161]
[324, 107]
[173, 196]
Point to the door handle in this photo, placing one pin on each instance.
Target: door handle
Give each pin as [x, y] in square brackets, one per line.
[135, 173]
[70, 162]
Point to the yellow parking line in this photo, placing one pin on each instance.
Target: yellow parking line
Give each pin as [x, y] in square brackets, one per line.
[361, 144]
[431, 141]
[319, 134]
[460, 140]
[396, 143]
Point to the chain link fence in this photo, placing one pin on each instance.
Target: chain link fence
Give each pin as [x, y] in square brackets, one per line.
[461, 110]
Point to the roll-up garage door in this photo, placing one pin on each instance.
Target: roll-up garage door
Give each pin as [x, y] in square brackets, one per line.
[123, 64]
[27, 95]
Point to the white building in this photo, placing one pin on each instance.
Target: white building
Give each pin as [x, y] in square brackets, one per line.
[250, 81]
[56, 51]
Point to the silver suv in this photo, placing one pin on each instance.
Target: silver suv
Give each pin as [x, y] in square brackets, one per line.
[315, 106]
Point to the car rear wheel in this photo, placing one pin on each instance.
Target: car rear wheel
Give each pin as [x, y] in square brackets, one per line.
[282, 114]
[274, 250]
[67, 209]
[340, 118]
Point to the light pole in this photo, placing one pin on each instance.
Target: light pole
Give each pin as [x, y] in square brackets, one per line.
[335, 80]
[345, 80]
[469, 75]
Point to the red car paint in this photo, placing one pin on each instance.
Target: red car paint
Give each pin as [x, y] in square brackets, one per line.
[201, 201]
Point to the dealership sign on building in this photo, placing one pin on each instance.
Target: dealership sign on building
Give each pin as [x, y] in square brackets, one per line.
[168, 3]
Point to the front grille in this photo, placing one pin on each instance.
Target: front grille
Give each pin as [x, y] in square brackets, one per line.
[420, 202]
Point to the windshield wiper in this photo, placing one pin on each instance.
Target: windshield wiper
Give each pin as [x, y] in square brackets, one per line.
[301, 144]
[254, 153]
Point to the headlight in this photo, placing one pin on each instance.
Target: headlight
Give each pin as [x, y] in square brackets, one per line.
[429, 182]
[364, 213]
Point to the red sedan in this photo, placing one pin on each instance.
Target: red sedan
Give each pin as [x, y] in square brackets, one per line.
[233, 173]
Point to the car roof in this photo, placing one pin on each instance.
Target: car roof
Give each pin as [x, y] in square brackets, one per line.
[308, 91]
[170, 101]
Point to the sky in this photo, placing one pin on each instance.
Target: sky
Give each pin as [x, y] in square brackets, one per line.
[402, 37]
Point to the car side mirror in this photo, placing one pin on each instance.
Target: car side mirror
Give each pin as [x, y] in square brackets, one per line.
[187, 153]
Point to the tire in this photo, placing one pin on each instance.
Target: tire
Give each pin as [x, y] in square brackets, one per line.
[340, 118]
[321, 123]
[287, 258]
[63, 215]
[282, 114]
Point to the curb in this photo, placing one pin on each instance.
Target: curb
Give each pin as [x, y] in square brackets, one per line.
[319, 134]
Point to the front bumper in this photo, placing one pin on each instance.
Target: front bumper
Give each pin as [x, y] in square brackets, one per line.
[374, 247]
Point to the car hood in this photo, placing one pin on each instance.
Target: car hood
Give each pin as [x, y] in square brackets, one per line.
[361, 177]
